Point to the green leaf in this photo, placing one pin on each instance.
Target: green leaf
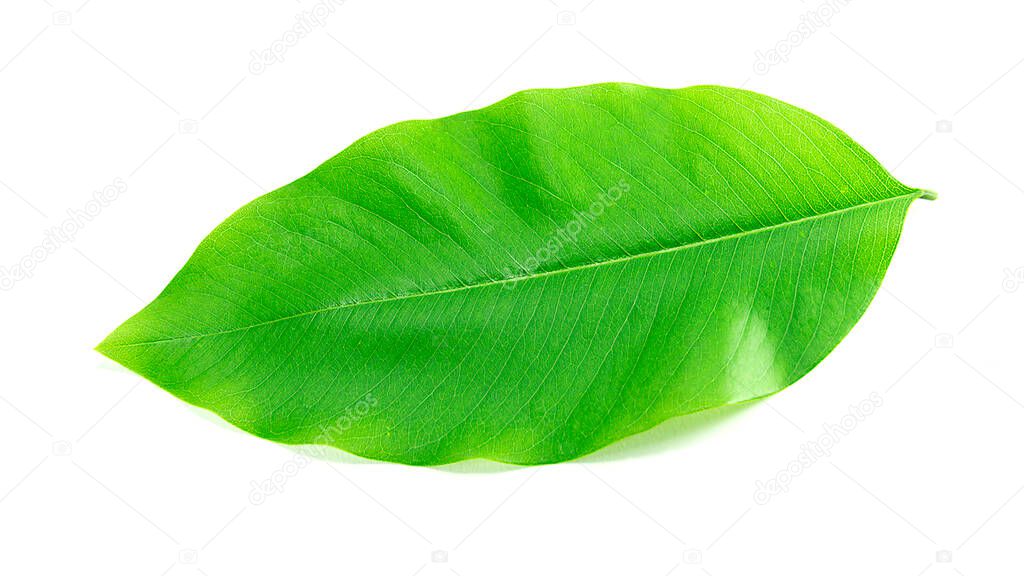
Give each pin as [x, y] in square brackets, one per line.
[530, 281]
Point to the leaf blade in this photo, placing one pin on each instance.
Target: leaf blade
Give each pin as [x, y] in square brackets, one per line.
[435, 266]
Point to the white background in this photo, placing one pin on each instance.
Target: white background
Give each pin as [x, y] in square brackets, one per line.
[102, 472]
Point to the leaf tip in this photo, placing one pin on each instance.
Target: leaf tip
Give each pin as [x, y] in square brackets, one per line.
[103, 347]
[108, 347]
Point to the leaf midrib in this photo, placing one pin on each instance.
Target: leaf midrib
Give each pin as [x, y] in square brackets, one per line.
[706, 241]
